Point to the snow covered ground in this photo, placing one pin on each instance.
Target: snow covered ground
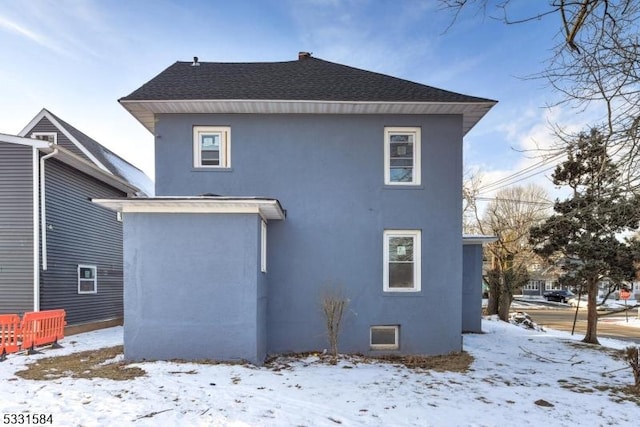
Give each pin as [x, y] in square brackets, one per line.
[573, 384]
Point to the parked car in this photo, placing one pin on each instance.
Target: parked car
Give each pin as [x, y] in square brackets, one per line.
[560, 295]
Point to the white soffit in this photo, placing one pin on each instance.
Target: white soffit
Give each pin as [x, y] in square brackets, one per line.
[269, 209]
[144, 111]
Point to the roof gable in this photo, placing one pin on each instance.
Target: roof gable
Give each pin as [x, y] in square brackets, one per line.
[102, 157]
[308, 85]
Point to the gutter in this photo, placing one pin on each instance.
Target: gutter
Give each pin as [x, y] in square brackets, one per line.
[43, 209]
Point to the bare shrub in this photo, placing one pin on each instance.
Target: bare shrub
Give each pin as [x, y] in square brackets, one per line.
[334, 303]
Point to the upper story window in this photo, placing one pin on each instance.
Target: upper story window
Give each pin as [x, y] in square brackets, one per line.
[402, 260]
[211, 147]
[402, 156]
[51, 137]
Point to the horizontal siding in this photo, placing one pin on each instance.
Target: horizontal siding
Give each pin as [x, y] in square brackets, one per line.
[16, 228]
[81, 232]
[44, 125]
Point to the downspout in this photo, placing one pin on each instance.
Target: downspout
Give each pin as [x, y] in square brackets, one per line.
[36, 233]
[43, 209]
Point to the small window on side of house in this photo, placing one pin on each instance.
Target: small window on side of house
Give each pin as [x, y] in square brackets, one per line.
[51, 137]
[402, 258]
[263, 246]
[211, 147]
[87, 279]
[385, 337]
[402, 155]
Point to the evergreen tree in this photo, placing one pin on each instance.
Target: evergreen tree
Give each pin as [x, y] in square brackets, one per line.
[585, 229]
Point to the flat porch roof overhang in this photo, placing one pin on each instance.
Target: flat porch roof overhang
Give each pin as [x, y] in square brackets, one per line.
[477, 239]
[268, 209]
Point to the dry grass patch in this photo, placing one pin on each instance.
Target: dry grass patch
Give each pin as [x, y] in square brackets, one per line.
[453, 362]
[87, 364]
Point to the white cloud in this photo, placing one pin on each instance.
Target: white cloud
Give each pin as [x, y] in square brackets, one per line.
[23, 31]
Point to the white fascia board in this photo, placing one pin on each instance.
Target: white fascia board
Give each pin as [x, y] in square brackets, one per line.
[44, 113]
[35, 143]
[267, 209]
[33, 122]
[78, 163]
[144, 110]
[471, 239]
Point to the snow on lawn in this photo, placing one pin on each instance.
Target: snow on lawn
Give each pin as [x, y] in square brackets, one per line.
[513, 369]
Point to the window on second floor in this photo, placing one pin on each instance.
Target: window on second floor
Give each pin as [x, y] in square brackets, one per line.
[402, 155]
[51, 137]
[211, 147]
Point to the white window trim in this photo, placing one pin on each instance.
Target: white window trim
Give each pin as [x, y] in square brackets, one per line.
[95, 279]
[35, 135]
[552, 285]
[263, 246]
[417, 142]
[417, 259]
[532, 285]
[225, 146]
[394, 346]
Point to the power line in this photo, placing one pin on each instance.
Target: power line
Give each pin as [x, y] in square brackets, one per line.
[531, 168]
[526, 202]
[507, 184]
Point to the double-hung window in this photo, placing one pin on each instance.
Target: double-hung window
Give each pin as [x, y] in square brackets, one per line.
[87, 279]
[402, 155]
[402, 260]
[211, 147]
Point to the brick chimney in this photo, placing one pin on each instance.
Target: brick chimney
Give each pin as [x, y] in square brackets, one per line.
[303, 55]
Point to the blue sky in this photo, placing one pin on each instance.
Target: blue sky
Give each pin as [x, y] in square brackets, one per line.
[76, 58]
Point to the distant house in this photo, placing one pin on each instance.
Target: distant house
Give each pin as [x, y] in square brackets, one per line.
[57, 249]
[542, 278]
[275, 181]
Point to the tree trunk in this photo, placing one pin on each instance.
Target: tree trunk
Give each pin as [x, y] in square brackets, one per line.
[591, 336]
[493, 303]
[504, 305]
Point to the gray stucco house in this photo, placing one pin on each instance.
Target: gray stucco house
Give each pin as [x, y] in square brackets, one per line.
[274, 180]
[57, 249]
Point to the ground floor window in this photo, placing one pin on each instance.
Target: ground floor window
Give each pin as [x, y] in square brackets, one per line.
[87, 279]
[402, 260]
[532, 285]
[552, 286]
[384, 337]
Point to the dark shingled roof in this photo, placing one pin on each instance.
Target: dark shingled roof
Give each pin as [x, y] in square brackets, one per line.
[307, 79]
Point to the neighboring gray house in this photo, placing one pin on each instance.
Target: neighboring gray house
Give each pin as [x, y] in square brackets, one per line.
[57, 249]
[277, 180]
